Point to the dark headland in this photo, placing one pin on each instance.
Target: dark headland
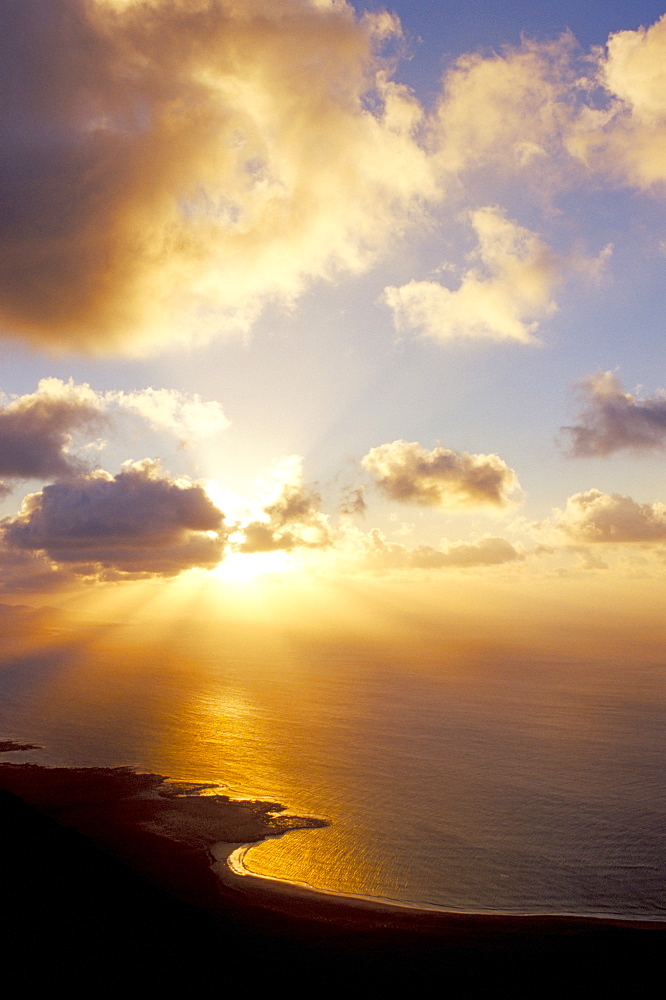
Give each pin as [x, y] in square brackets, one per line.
[107, 882]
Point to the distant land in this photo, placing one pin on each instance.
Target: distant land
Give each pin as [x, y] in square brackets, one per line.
[24, 619]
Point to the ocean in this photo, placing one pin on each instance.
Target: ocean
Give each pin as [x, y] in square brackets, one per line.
[480, 780]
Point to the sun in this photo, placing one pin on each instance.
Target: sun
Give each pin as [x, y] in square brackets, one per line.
[246, 568]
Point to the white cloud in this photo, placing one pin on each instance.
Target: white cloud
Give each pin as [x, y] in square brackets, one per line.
[551, 115]
[167, 409]
[502, 296]
[635, 70]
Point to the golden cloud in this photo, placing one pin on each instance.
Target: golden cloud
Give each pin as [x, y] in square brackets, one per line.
[406, 472]
[180, 164]
[173, 166]
[594, 516]
[378, 553]
[290, 517]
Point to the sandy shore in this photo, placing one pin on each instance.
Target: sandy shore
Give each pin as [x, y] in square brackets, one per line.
[131, 872]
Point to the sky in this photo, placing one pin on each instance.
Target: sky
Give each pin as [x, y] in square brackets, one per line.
[306, 297]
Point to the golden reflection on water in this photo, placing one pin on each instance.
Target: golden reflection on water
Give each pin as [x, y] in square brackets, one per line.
[326, 859]
[216, 704]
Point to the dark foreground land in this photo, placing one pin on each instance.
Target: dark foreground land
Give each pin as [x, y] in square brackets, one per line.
[106, 884]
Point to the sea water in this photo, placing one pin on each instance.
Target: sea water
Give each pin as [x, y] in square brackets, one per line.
[502, 783]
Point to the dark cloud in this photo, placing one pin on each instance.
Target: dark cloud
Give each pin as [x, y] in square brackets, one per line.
[613, 420]
[294, 520]
[259, 536]
[23, 571]
[353, 501]
[408, 473]
[139, 522]
[594, 516]
[36, 430]
[487, 551]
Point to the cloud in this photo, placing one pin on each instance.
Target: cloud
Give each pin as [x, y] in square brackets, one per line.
[168, 409]
[627, 141]
[508, 111]
[172, 166]
[634, 69]
[594, 516]
[440, 478]
[589, 558]
[503, 297]
[353, 501]
[488, 551]
[292, 520]
[139, 522]
[612, 420]
[552, 115]
[30, 572]
[36, 430]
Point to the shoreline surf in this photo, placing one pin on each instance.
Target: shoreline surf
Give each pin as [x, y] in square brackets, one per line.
[232, 867]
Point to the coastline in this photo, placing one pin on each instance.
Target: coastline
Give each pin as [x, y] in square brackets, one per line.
[174, 840]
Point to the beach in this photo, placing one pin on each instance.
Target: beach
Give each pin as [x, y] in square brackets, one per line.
[108, 869]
